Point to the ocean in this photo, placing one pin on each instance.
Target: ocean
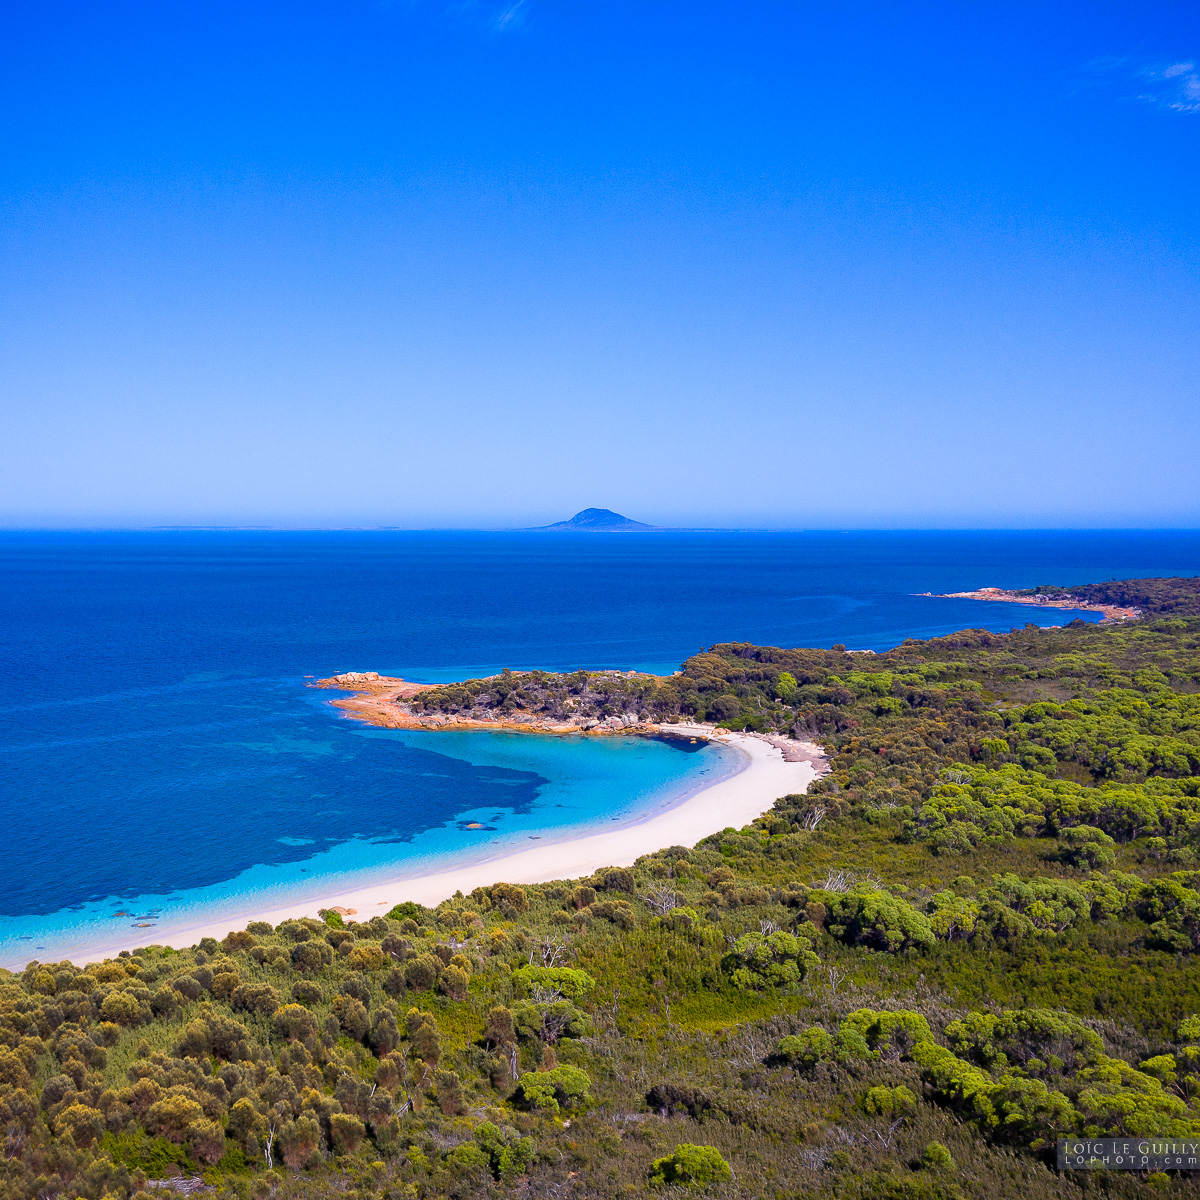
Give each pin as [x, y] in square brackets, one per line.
[162, 757]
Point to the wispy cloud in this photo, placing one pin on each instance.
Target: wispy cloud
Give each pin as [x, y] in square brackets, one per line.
[1176, 86]
[511, 16]
[499, 16]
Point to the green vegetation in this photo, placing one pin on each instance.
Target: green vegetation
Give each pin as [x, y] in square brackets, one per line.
[978, 931]
[694, 1166]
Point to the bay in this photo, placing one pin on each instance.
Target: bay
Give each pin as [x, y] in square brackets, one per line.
[160, 750]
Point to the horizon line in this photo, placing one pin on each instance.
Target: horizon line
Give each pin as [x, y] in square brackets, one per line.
[658, 529]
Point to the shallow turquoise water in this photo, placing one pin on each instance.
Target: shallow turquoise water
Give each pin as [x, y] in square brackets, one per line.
[578, 785]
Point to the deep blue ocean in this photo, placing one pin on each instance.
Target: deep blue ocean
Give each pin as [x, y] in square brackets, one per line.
[161, 754]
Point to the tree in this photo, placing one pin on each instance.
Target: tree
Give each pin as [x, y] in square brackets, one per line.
[260, 998]
[509, 899]
[449, 1089]
[351, 1016]
[499, 1029]
[936, 1156]
[173, 1114]
[777, 959]
[385, 1033]
[1088, 847]
[245, 1123]
[81, 1123]
[568, 981]
[347, 1132]
[454, 983]
[206, 1141]
[422, 973]
[310, 956]
[808, 1048]
[295, 1023]
[423, 1036]
[299, 1140]
[124, 1008]
[868, 917]
[888, 1102]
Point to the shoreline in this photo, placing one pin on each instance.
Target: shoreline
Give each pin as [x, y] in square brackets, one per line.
[734, 801]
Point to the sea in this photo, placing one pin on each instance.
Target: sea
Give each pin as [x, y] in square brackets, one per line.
[164, 759]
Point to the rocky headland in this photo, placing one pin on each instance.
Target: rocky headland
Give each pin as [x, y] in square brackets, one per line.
[592, 703]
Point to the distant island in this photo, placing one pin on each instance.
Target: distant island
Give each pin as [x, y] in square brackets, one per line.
[597, 520]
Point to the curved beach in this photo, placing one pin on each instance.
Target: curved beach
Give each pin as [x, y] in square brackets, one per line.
[767, 774]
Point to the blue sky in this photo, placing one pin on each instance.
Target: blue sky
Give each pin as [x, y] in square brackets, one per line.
[435, 264]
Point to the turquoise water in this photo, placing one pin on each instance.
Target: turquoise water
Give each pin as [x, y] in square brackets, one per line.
[161, 756]
[539, 789]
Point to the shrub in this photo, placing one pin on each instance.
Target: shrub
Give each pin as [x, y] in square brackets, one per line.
[888, 1102]
[670, 1099]
[693, 1166]
[508, 1153]
[571, 983]
[808, 1048]
[936, 1155]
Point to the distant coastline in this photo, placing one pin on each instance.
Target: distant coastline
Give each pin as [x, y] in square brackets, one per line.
[1112, 612]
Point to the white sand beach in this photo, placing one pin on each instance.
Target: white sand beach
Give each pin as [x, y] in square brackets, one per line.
[732, 802]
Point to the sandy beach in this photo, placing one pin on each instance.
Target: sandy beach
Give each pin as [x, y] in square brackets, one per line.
[772, 769]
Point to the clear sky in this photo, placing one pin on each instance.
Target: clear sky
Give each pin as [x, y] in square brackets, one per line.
[359, 262]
